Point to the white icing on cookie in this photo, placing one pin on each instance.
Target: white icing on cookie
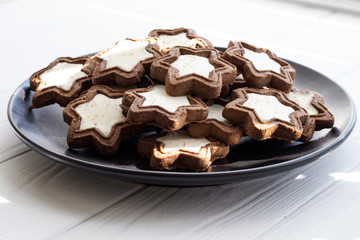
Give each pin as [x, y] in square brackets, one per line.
[187, 64]
[303, 99]
[157, 96]
[62, 75]
[169, 41]
[126, 54]
[268, 107]
[215, 112]
[261, 61]
[101, 113]
[175, 141]
[239, 77]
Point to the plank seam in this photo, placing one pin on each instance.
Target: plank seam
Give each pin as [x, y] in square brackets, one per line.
[16, 155]
[59, 234]
[291, 213]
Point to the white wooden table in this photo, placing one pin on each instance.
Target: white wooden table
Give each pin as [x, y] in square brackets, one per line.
[43, 199]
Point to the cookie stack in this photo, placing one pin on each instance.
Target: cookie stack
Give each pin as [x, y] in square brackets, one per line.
[200, 99]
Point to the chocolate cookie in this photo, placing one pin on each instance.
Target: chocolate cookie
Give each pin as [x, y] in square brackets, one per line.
[185, 37]
[238, 83]
[260, 66]
[60, 82]
[177, 150]
[124, 63]
[201, 72]
[153, 106]
[320, 117]
[96, 119]
[265, 113]
[216, 126]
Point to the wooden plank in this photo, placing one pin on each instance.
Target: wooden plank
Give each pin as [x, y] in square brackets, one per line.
[269, 19]
[327, 46]
[348, 6]
[39, 197]
[10, 145]
[121, 217]
[246, 209]
[333, 212]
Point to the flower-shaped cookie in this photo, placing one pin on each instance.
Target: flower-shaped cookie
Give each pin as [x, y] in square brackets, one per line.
[201, 72]
[60, 82]
[216, 126]
[96, 119]
[186, 37]
[124, 63]
[313, 102]
[260, 66]
[153, 106]
[177, 150]
[266, 113]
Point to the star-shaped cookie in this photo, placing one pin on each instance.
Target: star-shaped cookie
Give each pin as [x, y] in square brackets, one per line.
[60, 82]
[319, 116]
[200, 72]
[260, 66]
[186, 37]
[124, 63]
[177, 150]
[96, 119]
[153, 106]
[266, 113]
[216, 126]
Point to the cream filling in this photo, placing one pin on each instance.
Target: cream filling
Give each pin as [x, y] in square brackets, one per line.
[157, 96]
[262, 61]
[101, 113]
[187, 64]
[62, 75]
[268, 107]
[173, 40]
[239, 77]
[215, 112]
[175, 141]
[304, 101]
[126, 54]
[193, 43]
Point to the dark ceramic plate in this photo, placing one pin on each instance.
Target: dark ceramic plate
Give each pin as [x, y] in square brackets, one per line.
[44, 131]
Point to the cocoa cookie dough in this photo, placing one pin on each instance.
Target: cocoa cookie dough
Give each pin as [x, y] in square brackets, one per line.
[124, 63]
[200, 72]
[60, 82]
[216, 126]
[96, 119]
[260, 67]
[266, 113]
[319, 116]
[186, 37]
[177, 150]
[153, 106]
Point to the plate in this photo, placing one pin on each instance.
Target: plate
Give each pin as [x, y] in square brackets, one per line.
[44, 131]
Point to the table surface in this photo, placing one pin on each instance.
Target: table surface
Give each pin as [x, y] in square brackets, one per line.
[43, 199]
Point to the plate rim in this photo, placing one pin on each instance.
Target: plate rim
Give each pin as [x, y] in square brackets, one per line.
[202, 178]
